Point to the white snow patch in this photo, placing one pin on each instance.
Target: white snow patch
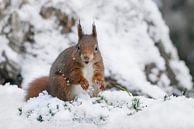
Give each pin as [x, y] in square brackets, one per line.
[182, 73]
[112, 109]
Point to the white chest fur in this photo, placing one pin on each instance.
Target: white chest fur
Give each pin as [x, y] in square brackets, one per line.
[88, 72]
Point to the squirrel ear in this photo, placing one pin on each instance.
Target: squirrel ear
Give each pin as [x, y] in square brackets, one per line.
[79, 28]
[94, 30]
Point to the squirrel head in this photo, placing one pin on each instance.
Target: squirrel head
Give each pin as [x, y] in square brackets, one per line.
[87, 45]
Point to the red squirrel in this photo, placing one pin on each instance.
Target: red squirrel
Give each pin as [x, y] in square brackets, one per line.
[77, 69]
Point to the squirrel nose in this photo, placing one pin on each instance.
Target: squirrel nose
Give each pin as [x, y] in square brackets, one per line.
[86, 58]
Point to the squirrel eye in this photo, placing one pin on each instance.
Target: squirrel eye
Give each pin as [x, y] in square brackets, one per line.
[78, 47]
[96, 48]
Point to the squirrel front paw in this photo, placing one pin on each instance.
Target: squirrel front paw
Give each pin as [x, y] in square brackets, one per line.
[99, 81]
[84, 84]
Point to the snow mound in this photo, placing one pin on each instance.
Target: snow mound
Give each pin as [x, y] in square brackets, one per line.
[83, 110]
[112, 110]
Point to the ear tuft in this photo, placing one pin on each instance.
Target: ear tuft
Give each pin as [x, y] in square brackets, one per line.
[79, 28]
[94, 33]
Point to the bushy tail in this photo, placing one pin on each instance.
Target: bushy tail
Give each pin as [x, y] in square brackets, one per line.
[36, 87]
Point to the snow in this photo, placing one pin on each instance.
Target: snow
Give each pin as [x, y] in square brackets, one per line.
[4, 47]
[112, 110]
[182, 74]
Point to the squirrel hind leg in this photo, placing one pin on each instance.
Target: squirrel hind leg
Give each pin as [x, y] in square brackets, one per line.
[36, 87]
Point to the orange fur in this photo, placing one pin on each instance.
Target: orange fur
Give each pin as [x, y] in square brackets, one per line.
[36, 87]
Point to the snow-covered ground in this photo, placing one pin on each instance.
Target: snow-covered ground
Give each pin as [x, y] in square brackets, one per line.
[111, 110]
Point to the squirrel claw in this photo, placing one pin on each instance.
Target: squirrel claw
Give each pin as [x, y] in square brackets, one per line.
[84, 84]
[100, 84]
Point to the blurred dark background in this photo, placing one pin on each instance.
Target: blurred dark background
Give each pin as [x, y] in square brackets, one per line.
[179, 16]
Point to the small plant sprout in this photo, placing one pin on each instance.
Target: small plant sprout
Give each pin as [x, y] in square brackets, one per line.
[136, 104]
[20, 111]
